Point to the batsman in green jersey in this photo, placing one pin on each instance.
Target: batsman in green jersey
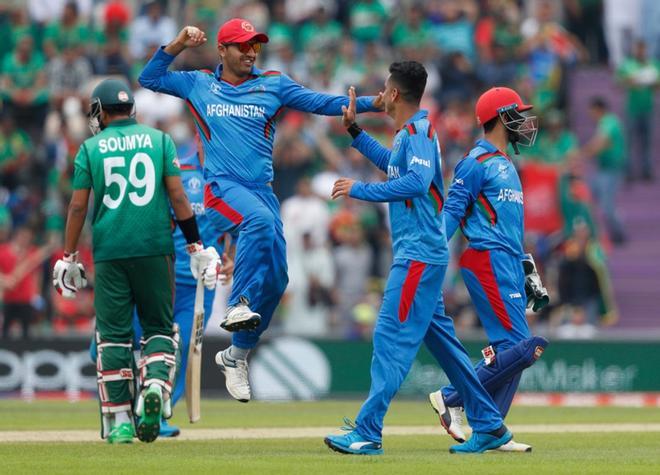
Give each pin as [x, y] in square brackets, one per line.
[133, 170]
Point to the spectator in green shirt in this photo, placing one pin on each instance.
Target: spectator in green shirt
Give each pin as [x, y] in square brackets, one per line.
[321, 32]
[69, 31]
[608, 146]
[16, 25]
[367, 19]
[15, 148]
[24, 86]
[112, 57]
[413, 34]
[640, 76]
[280, 31]
[555, 144]
[455, 33]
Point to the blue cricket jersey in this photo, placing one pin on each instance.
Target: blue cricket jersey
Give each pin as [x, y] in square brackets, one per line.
[486, 201]
[237, 121]
[193, 183]
[414, 189]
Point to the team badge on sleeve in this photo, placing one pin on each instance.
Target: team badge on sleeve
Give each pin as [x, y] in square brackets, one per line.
[176, 162]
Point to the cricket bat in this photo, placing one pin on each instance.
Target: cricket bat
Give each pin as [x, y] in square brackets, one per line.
[194, 369]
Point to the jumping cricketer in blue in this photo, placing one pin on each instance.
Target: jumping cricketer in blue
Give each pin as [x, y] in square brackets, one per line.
[485, 200]
[235, 108]
[412, 310]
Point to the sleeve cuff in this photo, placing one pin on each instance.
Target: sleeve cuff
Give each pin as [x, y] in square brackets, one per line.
[357, 190]
[160, 52]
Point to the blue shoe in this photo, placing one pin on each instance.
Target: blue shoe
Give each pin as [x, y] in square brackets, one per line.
[480, 442]
[167, 430]
[352, 442]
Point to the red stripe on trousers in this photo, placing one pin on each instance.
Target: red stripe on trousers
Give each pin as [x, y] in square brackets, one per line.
[409, 288]
[212, 201]
[479, 263]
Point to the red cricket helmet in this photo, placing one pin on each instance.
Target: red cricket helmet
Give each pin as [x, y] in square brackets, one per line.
[497, 100]
[238, 30]
[507, 104]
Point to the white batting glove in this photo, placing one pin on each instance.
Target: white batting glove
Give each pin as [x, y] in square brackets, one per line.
[69, 276]
[204, 262]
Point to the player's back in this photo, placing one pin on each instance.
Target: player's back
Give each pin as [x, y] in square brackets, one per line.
[127, 163]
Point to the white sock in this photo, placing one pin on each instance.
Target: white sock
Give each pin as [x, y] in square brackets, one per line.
[238, 353]
[122, 417]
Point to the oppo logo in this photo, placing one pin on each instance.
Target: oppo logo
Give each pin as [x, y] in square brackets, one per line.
[46, 370]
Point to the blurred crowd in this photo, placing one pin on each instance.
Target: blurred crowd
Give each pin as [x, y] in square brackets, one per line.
[339, 252]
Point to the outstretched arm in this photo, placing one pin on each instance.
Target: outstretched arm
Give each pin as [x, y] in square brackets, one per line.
[415, 182]
[411, 185]
[298, 97]
[155, 75]
[363, 142]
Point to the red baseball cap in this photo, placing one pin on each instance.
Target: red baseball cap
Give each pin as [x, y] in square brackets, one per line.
[238, 30]
[496, 100]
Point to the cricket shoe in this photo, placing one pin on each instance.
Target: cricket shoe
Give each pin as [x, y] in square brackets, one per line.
[480, 442]
[513, 446]
[167, 430]
[236, 375]
[451, 418]
[240, 317]
[354, 444]
[149, 409]
[121, 434]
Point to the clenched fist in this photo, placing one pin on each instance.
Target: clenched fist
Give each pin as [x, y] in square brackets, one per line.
[188, 37]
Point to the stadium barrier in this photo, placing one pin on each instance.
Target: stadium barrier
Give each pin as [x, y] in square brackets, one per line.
[295, 368]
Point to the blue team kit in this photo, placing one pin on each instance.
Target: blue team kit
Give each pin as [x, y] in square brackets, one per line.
[413, 309]
[486, 200]
[237, 125]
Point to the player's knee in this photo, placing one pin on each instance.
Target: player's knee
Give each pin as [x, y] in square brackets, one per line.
[537, 346]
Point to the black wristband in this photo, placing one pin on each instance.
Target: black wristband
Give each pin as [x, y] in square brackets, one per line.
[189, 229]
[354, 130]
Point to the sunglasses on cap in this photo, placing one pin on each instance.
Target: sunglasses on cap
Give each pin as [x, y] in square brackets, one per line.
[246, 47]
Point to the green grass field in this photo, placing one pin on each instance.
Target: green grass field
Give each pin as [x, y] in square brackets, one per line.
[604, 451]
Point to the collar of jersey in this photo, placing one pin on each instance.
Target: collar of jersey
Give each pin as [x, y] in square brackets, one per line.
[255, 72]
[120, 122]
[490, 148]
[420, 114]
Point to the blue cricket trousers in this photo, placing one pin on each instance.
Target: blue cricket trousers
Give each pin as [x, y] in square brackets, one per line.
[496, 282]
[260, 271]
[412, 312]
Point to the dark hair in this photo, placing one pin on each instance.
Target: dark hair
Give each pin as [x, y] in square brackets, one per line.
[599, 102]
[490, 125]
[410, 77]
